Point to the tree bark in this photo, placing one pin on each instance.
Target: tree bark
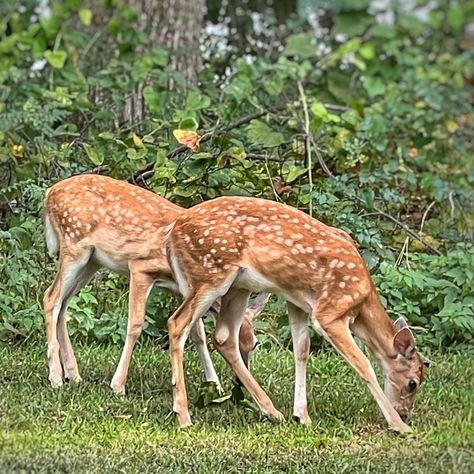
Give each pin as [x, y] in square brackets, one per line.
[176, 26]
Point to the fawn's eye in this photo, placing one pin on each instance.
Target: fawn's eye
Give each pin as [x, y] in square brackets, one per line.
[412, 385]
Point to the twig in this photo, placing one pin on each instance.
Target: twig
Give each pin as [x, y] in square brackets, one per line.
[336, 108]
[307, 145]
[277, 198]
[406, 229]
[425, 214]
[403, 251]
[82, 132]
[99, 169]
[261, 157]
[450, 197]
[91, 43]
[146, 175]
[322, 163]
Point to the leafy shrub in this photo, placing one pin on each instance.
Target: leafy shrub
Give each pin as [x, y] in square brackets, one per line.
[436, 293]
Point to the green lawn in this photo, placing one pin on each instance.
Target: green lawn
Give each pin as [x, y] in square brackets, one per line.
[85, 428]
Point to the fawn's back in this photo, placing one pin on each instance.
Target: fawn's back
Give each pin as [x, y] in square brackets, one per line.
[119, 221]
[273, 247]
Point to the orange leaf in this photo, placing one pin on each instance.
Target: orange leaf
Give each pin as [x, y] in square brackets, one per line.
[188, 138]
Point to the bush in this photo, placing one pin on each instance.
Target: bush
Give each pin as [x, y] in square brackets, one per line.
[435, 293]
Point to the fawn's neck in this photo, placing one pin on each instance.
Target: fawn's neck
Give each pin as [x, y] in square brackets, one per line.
[376, 329]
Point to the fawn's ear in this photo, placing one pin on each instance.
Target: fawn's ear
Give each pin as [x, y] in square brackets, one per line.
[400, 323]
[425, 361]
[404, 343]
[256, 305]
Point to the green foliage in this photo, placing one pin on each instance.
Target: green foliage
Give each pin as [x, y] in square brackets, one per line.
[435, 293]
[388, 116]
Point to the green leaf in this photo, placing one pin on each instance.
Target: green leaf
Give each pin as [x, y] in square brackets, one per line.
[456, 18]
[339, 84]
[27, 323]
[56, 58]
[436, 19]
[371, 259]
[240, 87]
[137, 141]
[106, 135]
[301, 45]
[160, 57]
[196, 101]
[294, 173]
[368, 198]
[184, 192]
[273, 85]
[222, 399]
[322, 113]
[352, 23]
[236, 152]
[85, 14]
[367, 51]
[135, 154]
[94, 154]
[152, 99]
[383, 31]
[188, 123]
[260, 133]
[374, 86]
[203, 155]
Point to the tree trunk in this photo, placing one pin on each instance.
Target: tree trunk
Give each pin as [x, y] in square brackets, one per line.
[176, 26]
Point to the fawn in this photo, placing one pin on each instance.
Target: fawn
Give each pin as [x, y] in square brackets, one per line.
[230, 246]
[94, 221]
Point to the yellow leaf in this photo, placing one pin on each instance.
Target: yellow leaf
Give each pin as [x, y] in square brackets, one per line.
[188, 138]
[452, 126]
[137, 141]
[18, 151]
[85, 14]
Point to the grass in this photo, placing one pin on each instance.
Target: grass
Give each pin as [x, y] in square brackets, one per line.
[85, 428]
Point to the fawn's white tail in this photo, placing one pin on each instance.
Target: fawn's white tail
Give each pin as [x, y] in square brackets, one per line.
[52, 241]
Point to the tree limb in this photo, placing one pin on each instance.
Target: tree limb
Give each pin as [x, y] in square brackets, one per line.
[147, 172]
[406, 229]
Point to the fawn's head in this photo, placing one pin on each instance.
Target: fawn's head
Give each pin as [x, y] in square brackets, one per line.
[405, 372]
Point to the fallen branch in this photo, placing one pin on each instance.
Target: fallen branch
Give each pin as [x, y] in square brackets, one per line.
[425, 214]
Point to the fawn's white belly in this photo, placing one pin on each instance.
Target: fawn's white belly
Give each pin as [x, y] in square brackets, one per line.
[250, 279]
[112, 262]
